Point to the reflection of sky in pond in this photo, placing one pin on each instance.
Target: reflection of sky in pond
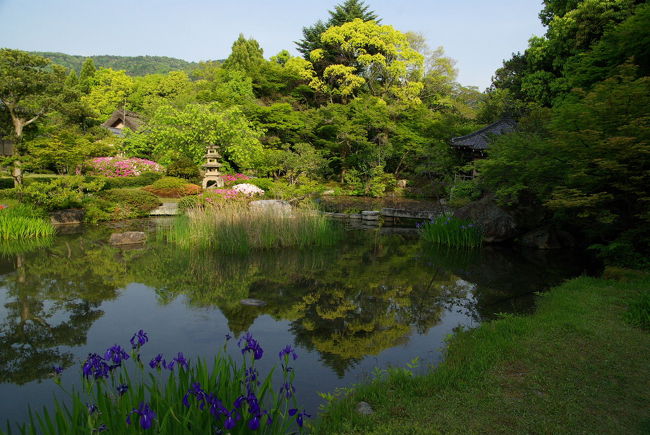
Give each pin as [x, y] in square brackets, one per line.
[376, 301]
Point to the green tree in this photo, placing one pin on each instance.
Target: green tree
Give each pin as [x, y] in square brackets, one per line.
[173, 132]
[110, 92]
[345, 12]
[246, 55]
[87, 75]
[29, 89]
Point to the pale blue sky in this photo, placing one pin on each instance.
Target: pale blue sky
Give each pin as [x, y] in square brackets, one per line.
[479, 34]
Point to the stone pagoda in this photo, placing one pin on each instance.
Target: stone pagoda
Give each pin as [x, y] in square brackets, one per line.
[212, 175]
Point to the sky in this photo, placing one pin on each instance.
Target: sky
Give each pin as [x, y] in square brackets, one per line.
[478, 34]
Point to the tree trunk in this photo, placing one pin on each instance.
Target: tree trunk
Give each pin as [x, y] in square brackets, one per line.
[17, 173]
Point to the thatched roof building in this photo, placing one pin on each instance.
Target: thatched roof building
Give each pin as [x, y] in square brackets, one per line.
[121, 119]
[480, 140]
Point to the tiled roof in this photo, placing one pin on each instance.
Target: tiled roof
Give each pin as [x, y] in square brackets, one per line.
[480, 140]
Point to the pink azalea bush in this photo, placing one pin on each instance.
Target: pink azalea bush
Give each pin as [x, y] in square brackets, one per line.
[230, 179]
[121, 167]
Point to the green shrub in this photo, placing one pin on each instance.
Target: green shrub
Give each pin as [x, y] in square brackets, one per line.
[115, 204]
[463, 192]
[60, 193]
[184, 168]
[171, 187]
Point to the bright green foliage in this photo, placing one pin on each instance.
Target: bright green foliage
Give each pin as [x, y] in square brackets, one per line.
[376, 57]
[109, 92]
[20, 222]
[246, 55]
[173, 132]
[116, 204]
[87, 75]
[64, 149]
[154, 90]
[343, 13]
[60, 193]
[183, 167]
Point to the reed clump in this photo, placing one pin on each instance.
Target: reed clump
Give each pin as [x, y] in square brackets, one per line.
[451, 231]
[22, 222]
[234, 228]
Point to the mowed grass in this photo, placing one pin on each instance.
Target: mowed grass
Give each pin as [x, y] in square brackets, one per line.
[575, 366]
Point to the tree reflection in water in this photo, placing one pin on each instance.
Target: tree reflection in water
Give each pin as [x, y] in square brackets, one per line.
[367, 295]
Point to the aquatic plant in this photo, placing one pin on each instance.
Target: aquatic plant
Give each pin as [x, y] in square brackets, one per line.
[233, 227]
[21, 221]
[448, 230]
[123, 395]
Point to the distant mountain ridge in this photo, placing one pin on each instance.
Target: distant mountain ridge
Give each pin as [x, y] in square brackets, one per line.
[133, 65]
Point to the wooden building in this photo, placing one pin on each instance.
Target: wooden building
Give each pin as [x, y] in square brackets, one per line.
[475, 145]
[121, 119]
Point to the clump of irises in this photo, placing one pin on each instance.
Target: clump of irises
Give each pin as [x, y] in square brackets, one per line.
[451, 231]
[123, 393]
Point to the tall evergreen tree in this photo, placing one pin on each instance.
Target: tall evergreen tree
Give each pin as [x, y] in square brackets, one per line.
[343, 13]
[87, 75]
[246, 56]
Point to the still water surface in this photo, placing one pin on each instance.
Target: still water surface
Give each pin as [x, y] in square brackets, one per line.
[376, 300]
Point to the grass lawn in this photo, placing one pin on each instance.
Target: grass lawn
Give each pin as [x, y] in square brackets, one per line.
[575, 366]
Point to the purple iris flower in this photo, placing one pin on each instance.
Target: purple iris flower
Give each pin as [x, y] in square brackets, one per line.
[116, 354]
[169, 366]
[230, 422]
[145, 413]
[254, 423]
[156, 361]
[122, 389]
[228, 337]
[100, 428]
[299, 416]
[181, 361]
[95, 366]
[57, 370]
[288, 350]
[139, 339]
[251, 345]
[92, 408]
[287, 389]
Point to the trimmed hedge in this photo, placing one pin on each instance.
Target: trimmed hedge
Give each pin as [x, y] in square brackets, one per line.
[116, 204]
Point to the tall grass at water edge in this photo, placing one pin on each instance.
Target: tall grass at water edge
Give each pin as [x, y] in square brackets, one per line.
[450, 231]
[236, 229]
[20, 222]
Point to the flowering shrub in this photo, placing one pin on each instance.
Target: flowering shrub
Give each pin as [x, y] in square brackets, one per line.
[248, 189]
[230, 179]
[228, 398]
[121, 167]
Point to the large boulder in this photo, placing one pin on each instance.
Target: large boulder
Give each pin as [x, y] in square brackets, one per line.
[128, 238]
[498, 225]
[547, 238]
[68, 216]
[271, 206]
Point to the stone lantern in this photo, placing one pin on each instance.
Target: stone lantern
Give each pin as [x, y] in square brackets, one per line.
[212, 175]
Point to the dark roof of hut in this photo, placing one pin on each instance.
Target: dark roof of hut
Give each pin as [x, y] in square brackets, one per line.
[480, 140]
[130, 119]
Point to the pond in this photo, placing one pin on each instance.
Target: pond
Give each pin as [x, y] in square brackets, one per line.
[376, 300]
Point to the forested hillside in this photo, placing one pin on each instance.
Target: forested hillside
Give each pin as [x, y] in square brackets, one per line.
[133, 65]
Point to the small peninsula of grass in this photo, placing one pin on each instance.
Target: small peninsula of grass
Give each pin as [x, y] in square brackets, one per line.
[23, 222]
[575, 366]
[233, 228]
